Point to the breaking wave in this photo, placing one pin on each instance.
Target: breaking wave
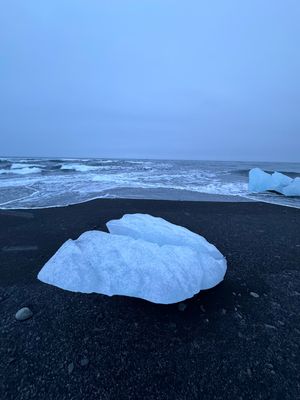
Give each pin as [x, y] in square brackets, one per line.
[21, 171]
[78, 167]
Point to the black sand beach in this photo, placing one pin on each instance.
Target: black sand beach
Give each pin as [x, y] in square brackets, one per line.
[228, 343]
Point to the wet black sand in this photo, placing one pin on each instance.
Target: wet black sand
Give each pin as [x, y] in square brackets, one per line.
[226, 344]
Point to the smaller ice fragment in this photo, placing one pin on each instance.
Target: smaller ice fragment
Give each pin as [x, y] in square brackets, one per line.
[279, 181]
[293, 189]
[260, 181]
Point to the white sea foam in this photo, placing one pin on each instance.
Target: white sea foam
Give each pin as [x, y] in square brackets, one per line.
[28, 170]
[177, 181]
[109, 161]
[229, 189]
[78, 167]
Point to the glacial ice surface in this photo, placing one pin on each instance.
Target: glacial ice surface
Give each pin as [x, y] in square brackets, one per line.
[148, 258]
[157, 230]
[260, 181]
[293, 189]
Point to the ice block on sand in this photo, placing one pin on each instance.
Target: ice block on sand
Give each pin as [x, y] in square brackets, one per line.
[146, 257]
[260, 181]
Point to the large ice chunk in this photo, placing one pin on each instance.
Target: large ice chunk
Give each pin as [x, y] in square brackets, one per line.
[159, 269]
[157, 230]
[114, 264]
[260, 181]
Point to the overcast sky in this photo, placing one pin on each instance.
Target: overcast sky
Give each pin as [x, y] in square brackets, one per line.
[151, 79]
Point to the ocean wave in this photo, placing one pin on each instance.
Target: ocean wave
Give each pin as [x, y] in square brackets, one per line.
[245, 172]
[109, 161]
[27, 170]
[136, 162]
[78, 167]
[22, 165]
[21, 171]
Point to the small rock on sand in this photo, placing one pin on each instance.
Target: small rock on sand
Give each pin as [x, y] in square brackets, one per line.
[70, 368]
[23, 314]
[253, 294]
[182, 306]
[268, 326]
[84, 361]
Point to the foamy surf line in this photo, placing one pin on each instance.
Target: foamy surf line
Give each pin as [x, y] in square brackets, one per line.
[202, 197]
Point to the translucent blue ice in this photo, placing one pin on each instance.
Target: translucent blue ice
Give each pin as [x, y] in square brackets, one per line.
[143, 256]
[260, 181]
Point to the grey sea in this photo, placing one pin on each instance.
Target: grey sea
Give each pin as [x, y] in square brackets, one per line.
[52, 182]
